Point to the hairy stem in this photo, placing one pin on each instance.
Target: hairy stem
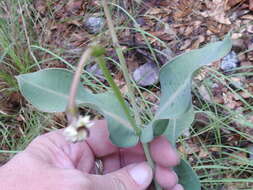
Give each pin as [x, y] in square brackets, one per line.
[150, 162]
[72, 110]
[122, 61]
[115, 88]
[128, 81]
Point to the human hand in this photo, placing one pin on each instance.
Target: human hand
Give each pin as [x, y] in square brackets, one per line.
[50, 162]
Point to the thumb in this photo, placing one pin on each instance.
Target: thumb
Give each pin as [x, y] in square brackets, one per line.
[131, 177]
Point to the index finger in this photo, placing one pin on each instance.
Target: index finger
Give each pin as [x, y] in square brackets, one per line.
[99, 140]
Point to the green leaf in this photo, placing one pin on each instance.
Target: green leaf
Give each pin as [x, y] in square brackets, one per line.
[48, 91]
[175, 79]
[187, 177]
[176, 127]
[160, 127]
[148, 133]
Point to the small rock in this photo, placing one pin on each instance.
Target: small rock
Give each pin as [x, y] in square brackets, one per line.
[141, 21]
[250, 149]
[96, 71]
[166, 55]
[237, 82]
[229, 62]
[94, 25]
[147, 74]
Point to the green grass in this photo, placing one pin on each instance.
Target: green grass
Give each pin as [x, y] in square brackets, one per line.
[23, 124]
[230, 166]
[17, 57]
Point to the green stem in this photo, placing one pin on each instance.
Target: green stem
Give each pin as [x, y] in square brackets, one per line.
[115, 88]
[122, 62]
[150, 162]
[128, 81]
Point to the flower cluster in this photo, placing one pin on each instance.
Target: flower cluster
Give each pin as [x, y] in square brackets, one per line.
[78, 130]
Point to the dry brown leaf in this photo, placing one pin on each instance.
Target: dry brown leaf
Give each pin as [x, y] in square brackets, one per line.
[183, 8]
[186, 44]
[203, 153]
[217, 11]
[232, 3]
[75, 6]
[190, 148]
[40, 6]
[247, 17]
[251, 5]
[204, 93]
[197, 42]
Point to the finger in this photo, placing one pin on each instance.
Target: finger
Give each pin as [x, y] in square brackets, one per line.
[167, 178]
[163, 153]
[111, 163]
[132, 155]
[54, 149]
[99, 140]
[123, 158]
[177, 187]
[132, 177]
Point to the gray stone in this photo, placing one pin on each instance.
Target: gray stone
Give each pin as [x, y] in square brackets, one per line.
[94, 25]
[229, 62]
[96, 71]
[250, 149]
[166, 55]
[147, 74]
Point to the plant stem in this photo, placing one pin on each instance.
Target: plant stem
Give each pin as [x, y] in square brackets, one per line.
[150, 162]
[72, 110]
[122, 62]
[128, 81]
[115, 88]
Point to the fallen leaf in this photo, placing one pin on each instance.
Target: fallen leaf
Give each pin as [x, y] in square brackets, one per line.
[232, 3]
[40, 6]
[186, 44]
[251, 5]
[247, 17]
[204, 93]
[217, 11]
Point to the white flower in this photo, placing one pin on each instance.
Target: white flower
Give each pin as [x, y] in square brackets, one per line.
[79, 130]
[85, 121]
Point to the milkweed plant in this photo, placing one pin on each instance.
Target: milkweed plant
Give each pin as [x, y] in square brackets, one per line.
[58, 90]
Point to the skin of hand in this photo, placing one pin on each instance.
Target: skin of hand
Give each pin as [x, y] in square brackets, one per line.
[50, 162]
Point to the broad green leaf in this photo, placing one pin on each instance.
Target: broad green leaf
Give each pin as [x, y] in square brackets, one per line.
[160, 127]
[48, 91]
[148, 133]
[176, 127]
[175, 79]
[187, 177]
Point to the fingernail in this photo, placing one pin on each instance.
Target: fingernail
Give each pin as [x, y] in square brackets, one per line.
[141, 174]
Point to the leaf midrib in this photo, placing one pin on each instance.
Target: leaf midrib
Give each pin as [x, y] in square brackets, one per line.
[54, 92]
